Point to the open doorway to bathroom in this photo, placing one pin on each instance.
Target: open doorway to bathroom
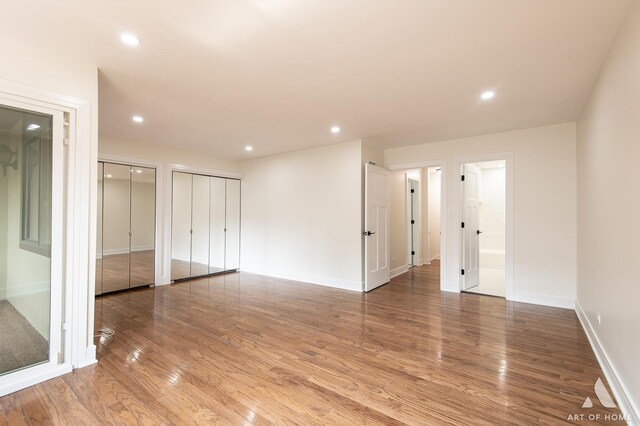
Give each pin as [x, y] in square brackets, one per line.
[484, 227]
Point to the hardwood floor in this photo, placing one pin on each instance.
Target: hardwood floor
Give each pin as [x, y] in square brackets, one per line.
[243, 348]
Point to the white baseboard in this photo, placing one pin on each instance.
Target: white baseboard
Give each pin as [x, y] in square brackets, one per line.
[536, 299]
[398, 271]
[623, 397]
[311, 279]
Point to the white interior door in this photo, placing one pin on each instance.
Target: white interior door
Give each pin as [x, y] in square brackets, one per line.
[471, 230]
[376, 225]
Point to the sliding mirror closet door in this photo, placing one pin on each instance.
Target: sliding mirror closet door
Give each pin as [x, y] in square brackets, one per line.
[200, 226]
[143, 213]
[216, 225]
[232, 244]
[99, 231]
[181, 226]
[116, 217]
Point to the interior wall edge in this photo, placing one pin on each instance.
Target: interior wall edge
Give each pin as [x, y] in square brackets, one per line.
[620, 391]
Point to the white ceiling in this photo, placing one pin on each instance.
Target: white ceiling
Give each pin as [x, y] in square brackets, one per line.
[216, 75]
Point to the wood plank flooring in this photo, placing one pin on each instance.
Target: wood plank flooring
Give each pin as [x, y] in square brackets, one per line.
[246, 349]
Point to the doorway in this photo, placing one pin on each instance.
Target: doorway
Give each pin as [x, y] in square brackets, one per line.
[415, 204]
[31, 241]
[484, 227]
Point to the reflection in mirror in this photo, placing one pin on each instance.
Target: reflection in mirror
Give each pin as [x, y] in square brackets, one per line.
[116, 226]
[181, 226]
[25, 238]
[143, 227]
[216, 225]
[99, 231]
[200, 226]
[232, 246]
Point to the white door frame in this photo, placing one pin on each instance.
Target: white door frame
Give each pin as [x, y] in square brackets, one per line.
[79, 174]
[508, 158]
[443, 209]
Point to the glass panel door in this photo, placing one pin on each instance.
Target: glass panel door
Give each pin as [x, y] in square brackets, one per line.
[30, 300]
[200, 226]
[116, 227]
[217, 220]
[99, 231]
[232, 246]
[143, 226]
[181, 226]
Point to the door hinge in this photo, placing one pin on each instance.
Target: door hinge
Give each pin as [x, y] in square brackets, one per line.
[462, 225]
[65, 141]
[64, 325]
[413, 253]
[413, 190]
[413, 222]
[462, 271]
[462, 178]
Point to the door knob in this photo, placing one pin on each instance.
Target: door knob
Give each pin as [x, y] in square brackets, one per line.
[367, 233]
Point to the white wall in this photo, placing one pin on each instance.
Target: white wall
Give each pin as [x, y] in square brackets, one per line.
[493, 208]
[302, 215]
[608, 205]
[544, 206]
[57, 72]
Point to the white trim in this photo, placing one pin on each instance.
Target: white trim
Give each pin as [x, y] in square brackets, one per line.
[442, 163]
[457, 165]
[354, 285]
[203, 171]
[399, 271]
[80, 217]
[622, 395]
[33, 376]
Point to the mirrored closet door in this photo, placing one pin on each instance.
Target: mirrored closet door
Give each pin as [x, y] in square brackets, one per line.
[205, 227]
[125, 253]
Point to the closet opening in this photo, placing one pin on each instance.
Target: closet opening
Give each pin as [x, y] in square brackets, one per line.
[205, 225]
[126, 227]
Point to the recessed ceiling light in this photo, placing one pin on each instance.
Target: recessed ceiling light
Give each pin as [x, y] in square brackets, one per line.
[130, 39]
[248, 148]
[109, 176]
[33, 126]
[137, 119]
[138, 171]
[488, 95]
[335, 130]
